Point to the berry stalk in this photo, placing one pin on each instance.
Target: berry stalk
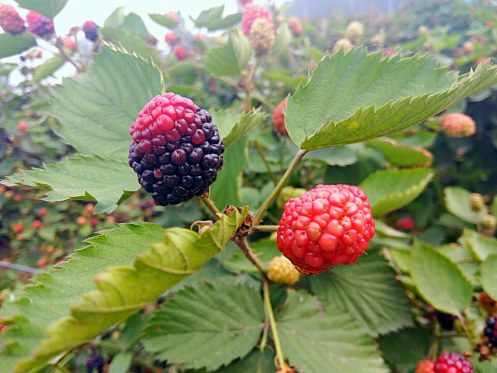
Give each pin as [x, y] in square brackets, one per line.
[262, 210]
[269, 312]
[266, 228]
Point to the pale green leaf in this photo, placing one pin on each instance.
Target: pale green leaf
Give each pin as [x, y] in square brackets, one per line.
[284, 76]
[116, 17]
[392, 189]
[48, 8]
[439, 280]
[337, 156]
[12, 45]
[401, 155]
[206, 326]
[488, 276]
[232, 130]
[116, 293]
[134, 22]
[48, 67]
[317, 341]
[209, 16]
[230, 58]
[121, 362]
[241, 48]
[163, 20]
[386, 230]
[353, 97]
[89, 178]
[480, 245]
[225, 22]
[225, 121]
[96, 109]
[282, 40]
[457, 201]
[369, 291]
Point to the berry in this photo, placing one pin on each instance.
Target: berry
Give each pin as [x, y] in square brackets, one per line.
[151, 41]
[251, 12]
[245, 2]
[170, 37]
[39, 54]
[176, 149]
[173, 16]
[43, 212]
[325, 226]
[17, 197]
[22, 127]
[279, 117]
[453, 363]
[200, 38]
[476, 202]
[37, 224]
[90, 29]
[425, 366]
[489, 222]
[342, 43]
[405, 223]
[95, 363]
[377, 40]
[445, 320]
[18, 228]
[295, 26]
[2, 327]
[488, 304]
[39, 25]
[458, 125]
[388, 52]
[68, 43]
[94, 222]
[110, 219]
[282, 271]
[468, 47]
[10, 20]
[490, 330]
[261, 36]
[90, 208]
[354, 31]
[423, 30]
[42, 262]
[81, 220]
[179, 52]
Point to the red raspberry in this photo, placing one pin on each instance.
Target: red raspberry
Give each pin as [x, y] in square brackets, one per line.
[37, 224]
[94, 222]
[295, 26]
[22, 127]
[173, 16]
[18, 228]
[458, 125]
[250, 13]
[279, 118]
[39, 25]
[425, 366]
[326, 226]
[170, 38]
[405, 223]
[179, 52]
[10, 20]
[90, 29]
[453, 363]
[43, 212]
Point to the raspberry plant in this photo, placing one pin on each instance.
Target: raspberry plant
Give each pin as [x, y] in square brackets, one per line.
[222, 299]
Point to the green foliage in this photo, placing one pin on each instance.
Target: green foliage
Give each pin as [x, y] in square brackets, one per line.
[48, 8]
[230, 58]
[282, 40]
[399, 154]
[430, 268]
[162, 20]
[393, 189]
[481, 246]
[457, 201]
[134, 22]
[232, 126]
[12, 45]
[49, 67]
[488, 276]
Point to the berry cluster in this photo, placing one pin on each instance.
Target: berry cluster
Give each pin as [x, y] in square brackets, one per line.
[39, 25]
[90, 29]
[491, 330]
[10, 20]
[176, 149]
[251, 12]
[326, 226]
[452, 363]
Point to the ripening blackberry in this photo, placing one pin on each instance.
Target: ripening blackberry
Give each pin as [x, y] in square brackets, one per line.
[176, 149]
[491, 330]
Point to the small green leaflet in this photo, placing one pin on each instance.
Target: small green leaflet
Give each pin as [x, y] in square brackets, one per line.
[232, 126]
[48, 8]
[12, 45]
[457, 201]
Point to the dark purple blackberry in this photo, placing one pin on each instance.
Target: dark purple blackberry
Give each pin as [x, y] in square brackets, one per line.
[491, 330]
[176, 149]
[95, 364]
[445, 320]
[90, 29]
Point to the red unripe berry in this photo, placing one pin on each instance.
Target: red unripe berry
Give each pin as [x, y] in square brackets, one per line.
[110, 219]
[39, 54]
[18, 228]
[3, 188]
[388, 52]
[173, 16]
[458, 125]
[170, 38]
[94, 222]
[81, 220]
[37, 224]
[22, 127]
[405, 223]
[251, 12]
[453, 363]
[68, 43]
[43, 212]
[295, 26]
[179, 52]
[425, 366]
[279, 118]
[200, 38]
[42, 262]
[89, 208]
[10, 20]
[326, 226]
[2, 327]
[17, 197]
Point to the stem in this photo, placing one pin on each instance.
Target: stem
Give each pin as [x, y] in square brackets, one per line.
[266, 163]
[248, 84]
[269, 312]
[433, 352]
[266, 228]
[466, 331]
[59, 368]
[241, 242]
[69, 58]
[258, 218]
[210, 205]
[146, 364]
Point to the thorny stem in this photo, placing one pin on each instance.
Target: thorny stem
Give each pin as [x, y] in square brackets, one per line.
[241, 242]
[210, 205]
[248, 84]
[272, 321]
[266, 228]
[260, 214]
[266, 163]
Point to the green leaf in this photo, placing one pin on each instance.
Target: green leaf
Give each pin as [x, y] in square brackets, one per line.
[241, 48]
[263, 361]
[233, 126]
[116, 293]
[163, 20]
[48, 67]
[337, 156]
[12, 45]
[317, 341]
[480, 245]
[209, 16]
[227, 188]
[488, 276]
[369, 291]
[121, 362]
[225, 22]
[284, 76]
[116, 17]
[265, 250]
[353, 97]
[401, 155]
[282, 40]
[48, 8]
[230, 58]
[134, 22]
[439, 280]
[457, 201]
[88, 178]
[96, 109]
[392, 189]
[206, 326]
[388, 231]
